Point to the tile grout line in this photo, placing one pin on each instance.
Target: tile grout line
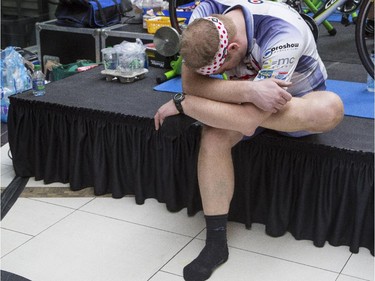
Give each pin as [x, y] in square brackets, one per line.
[19, 246]
[135, 223]
[283, 259]
[342, 269]
[36, 235]
[179, 251]
[57, 205]
[195, 237]
[356, 277]
[18, 232]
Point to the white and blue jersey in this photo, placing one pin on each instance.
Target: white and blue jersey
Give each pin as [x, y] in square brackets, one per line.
[280, 44]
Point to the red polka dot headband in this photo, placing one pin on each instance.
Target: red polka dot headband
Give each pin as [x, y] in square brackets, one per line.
[221, 54]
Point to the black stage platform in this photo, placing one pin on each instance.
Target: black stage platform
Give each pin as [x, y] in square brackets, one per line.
[92, 133]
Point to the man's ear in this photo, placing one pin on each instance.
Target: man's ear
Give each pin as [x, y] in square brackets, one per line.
[233, 47]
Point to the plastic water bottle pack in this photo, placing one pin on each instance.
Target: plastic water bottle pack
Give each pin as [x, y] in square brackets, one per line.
[125, 62]
[15, 78]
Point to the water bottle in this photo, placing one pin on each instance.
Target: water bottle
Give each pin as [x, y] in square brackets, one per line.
[38, 81]
[370, 80]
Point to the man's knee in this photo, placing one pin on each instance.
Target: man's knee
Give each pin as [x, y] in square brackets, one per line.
[328, 112]
[333, 111]
[214, 138]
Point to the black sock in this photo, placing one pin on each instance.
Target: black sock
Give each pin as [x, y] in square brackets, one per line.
[213, 254]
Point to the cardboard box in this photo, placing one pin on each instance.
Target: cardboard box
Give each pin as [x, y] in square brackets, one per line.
[157, 60]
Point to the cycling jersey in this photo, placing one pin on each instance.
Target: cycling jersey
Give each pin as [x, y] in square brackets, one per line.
[280, 44]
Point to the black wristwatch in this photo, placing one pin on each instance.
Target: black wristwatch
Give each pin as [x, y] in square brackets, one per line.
[178, 98]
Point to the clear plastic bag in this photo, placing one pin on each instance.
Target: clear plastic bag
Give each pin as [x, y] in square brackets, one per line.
[110, 59]
[15, 78]
[131, 56]
[149, 4]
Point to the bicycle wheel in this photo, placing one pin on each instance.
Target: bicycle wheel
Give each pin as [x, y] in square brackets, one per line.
[365, 42]
[312, 25]
[173, 16]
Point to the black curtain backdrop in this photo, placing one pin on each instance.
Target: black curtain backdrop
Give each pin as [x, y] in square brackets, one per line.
[308, 187]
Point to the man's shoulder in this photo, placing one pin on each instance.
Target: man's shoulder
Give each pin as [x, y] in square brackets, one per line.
[207, 8]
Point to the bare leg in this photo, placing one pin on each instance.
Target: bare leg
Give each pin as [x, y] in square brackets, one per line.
[313, 113]
[216, 183]
[318, 111]
[215, 169]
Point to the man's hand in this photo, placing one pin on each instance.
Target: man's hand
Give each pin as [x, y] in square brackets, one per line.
[270, 95]
[167, 109]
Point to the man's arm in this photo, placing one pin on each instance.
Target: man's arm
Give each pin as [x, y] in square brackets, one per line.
[318, 111]
[216, 114]
[268, 94]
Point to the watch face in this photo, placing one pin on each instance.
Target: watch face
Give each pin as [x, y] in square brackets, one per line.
[178, 96]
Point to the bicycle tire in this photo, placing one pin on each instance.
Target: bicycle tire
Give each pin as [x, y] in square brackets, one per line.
[312, 25]
[360, 37]
[173, 16]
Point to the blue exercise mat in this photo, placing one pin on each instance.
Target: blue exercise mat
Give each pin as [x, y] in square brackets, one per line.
[173, 85]
[357, 100]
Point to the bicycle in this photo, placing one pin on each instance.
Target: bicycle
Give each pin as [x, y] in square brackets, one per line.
[365, 42]
[321, 11]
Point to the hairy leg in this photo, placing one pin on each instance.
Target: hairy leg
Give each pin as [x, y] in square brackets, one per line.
[215, 169]
[313, 112]
[317, 111]
[216, 184]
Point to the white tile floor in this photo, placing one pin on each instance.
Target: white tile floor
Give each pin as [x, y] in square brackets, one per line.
[105, 239]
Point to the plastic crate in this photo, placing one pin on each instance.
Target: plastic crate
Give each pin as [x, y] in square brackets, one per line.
[155, 23]
[18, 31]
[69, 44]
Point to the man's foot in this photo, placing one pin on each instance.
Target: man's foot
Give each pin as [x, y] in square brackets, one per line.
[209, 259]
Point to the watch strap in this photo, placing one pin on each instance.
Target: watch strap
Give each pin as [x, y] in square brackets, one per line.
[178, 98]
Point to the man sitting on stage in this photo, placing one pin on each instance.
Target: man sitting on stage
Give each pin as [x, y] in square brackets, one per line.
[276, 81]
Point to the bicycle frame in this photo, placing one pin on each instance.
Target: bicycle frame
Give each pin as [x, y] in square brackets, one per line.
[325, 11]
[322, 10]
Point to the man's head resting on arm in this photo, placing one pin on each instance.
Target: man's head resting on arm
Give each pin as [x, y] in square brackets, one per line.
[204, 44]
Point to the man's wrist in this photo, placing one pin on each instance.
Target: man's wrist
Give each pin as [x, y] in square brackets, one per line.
[248, 89]
[177, 99]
